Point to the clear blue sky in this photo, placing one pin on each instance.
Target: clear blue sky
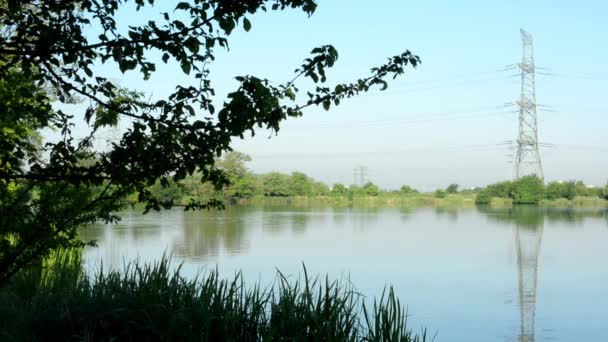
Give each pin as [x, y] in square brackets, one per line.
[441, 122]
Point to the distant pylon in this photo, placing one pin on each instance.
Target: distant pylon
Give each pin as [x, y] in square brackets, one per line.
[527, 158]
[360, 175]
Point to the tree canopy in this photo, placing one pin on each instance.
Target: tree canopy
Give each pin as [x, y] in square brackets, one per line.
[51, 52]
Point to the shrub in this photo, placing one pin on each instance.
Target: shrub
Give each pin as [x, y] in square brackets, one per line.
[452, 189]
[339, 189]
[528, 190]
[483, 197]
[406, 190]
[440, 193]
[371, 189]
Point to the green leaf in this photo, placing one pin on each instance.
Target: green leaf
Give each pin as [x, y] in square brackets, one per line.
[289, 93]
[182, 6]
[192, 44]
[326, 104]
[186, 67]
[246, 24]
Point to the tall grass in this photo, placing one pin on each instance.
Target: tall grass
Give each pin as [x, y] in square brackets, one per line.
[151, 302]
[383, 200]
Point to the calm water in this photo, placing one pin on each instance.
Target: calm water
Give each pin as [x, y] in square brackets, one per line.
[467, 274]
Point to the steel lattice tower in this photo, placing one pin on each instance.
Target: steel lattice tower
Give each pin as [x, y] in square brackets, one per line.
[527, 244]
[527, 159]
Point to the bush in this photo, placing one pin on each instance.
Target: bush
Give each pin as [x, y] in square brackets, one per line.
[528, 190]
[339, 189]
[370, 189]
[452, 189]
[406, 190]
[440, 193]
[483, 197]
[501, 190]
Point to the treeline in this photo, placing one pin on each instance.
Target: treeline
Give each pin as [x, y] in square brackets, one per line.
[245, 184]
[532, 190]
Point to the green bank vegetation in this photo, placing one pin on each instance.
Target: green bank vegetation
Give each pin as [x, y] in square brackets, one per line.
[155, 303]
[532, 190]
[275, 188]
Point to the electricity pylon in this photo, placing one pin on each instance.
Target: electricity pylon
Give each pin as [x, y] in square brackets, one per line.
[527, 158]
[360, 175]
[527, 244]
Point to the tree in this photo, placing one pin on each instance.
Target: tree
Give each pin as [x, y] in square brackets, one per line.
[300, 185]
[553, 190]
[605, 192]
[233, 165]
[528, 190]
[246, 187]
[483, 197]
[406, 190]
[319, 189]
[339, 189]
[452, 189]
[370, 189]
[276, 184]
[440, 193]
[170, 137]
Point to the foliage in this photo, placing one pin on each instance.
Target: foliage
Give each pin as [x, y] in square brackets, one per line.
[605, 192]
[339, 189]
[169, 193]
[319, 189]
[557, 190]
[370, 189]
[452, 189]
[152, 302]
[276, 184]
[406, 190]
[440, 193]
[48, 45]
[300, 185]
[483, 197]
[246, 187]
[233, 165]
[528, 190]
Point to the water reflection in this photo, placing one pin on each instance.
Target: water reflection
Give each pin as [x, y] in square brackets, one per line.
[529, 223]
[528, 238]
[436, 252]
[534, 217]
[207, 235]
[451, 213]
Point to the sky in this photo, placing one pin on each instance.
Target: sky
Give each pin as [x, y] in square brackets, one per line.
[441, 123]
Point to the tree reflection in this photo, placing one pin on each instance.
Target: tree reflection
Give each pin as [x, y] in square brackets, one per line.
[450, 212]
[208, 233]
[532, 217]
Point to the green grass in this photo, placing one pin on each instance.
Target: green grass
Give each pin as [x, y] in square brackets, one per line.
[382, 200]
[153, 303]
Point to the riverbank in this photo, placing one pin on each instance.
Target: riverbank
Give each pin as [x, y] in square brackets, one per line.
[418, 200]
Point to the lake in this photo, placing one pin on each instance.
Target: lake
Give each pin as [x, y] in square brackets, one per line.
[515, 274]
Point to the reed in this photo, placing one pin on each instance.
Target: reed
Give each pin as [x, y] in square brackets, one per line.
[155, 302]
